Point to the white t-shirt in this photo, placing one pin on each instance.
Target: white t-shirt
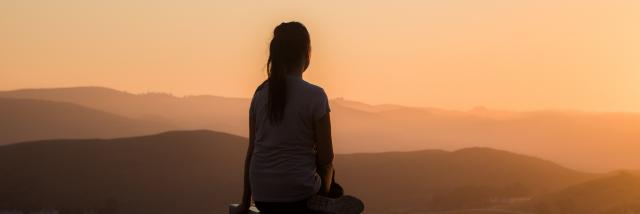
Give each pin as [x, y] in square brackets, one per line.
[283, 165]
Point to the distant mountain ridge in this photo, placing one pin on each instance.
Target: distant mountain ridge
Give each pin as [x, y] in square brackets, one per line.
[201, 171]
[27, 119]
[191, 112]
[587, 141]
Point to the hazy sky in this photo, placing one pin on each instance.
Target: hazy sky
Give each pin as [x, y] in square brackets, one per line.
[506, 54]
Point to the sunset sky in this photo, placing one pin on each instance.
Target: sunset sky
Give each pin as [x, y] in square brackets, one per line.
[455, 54]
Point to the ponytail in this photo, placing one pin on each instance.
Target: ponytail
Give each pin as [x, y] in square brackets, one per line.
[277, 90]
[288, 51]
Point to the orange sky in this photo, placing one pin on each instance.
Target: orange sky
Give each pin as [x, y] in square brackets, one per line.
[517, 55]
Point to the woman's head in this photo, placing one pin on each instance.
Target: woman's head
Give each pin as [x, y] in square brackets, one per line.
[289, 54]
[290, 48]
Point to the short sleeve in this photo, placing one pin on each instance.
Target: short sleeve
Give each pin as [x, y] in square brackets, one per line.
[252, 106]
[252, 110]
[320, 105]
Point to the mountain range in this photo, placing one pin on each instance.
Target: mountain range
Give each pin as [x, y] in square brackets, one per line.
[69, 149]
[201, 172]
[589, 141]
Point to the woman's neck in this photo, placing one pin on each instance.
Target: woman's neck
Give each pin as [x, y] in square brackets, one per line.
[296, 75]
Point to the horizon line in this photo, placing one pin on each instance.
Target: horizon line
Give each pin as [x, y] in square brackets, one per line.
[479, 107]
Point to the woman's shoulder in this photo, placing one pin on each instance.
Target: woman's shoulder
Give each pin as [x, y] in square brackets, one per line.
[313, 88]
[260, 87]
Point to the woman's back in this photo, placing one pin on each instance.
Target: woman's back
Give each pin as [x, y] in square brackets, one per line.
[289, 162]
[283, 166]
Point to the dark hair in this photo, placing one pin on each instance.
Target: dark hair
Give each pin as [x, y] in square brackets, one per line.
[288, 53]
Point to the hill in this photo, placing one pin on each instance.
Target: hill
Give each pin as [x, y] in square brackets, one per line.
[200, 172]
[174, 172]
[609, 195]
[439, 180]
[25, 120]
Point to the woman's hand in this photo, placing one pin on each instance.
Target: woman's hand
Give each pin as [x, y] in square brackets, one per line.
[243, 208]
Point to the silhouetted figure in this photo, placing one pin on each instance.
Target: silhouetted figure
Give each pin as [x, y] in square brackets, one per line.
[288, 167]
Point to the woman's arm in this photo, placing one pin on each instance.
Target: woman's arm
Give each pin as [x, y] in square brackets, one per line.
[324, 149]
[246, 194]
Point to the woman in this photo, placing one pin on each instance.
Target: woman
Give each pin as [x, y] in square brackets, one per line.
[288, 167]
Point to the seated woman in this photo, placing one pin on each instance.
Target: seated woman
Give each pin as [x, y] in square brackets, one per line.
[289, 162]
